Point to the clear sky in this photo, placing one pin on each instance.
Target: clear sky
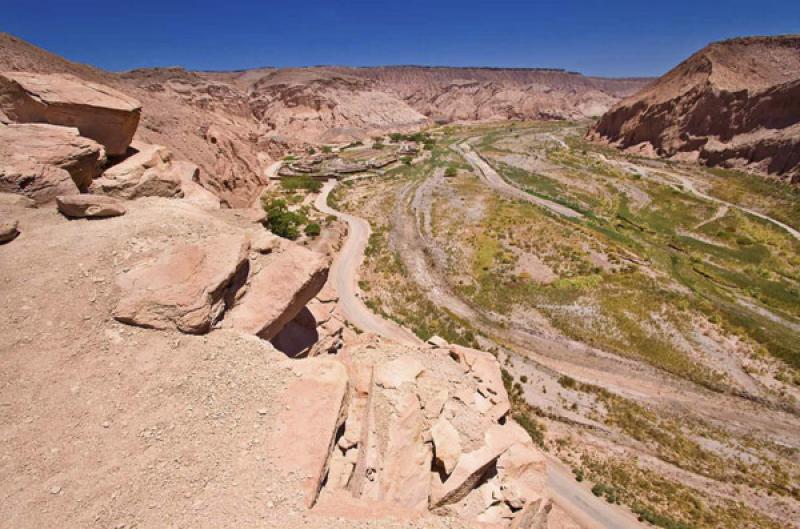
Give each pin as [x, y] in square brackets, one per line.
[622, 38]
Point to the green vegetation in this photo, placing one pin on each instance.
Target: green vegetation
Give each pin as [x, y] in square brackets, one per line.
[281, 221]
[313, 229]
[304, 182]
[451, 171]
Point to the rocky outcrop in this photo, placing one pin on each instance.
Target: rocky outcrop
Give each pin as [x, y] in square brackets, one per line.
[98, 112]
[186, 288]
[734, 104]
[277, 290]
[491, 396]
[89, 206]
[26, 149]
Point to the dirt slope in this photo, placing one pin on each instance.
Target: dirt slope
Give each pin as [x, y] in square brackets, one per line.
[734, 103]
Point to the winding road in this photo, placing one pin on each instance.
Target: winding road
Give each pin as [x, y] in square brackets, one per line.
[344, 274]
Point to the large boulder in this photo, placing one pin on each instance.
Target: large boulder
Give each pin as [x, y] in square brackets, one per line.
[278, 291]
[186, 288]
[146, 173]
[152, 171]
[40, 183]
[89, 206]
[24, 149]
[97, 111]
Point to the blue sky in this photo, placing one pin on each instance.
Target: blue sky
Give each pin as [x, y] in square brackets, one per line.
[624, 38]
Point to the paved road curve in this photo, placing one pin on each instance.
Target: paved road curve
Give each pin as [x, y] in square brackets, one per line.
[344, 274]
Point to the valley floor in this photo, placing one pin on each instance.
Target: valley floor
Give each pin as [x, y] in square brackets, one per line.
[647, 312]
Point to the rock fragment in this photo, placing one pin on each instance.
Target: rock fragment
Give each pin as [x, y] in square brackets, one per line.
[89, 206]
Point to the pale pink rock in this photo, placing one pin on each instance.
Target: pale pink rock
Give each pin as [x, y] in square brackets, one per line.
[315, 408]
[446, 444]
[406, 476]
[492, 398]
[149, 172]
[278, 292]
[97, 111]
[186, 288]
[25, 148]
[9, 230]
[89, 206]
[522, 471]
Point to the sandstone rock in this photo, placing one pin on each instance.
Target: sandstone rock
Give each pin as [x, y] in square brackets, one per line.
[406, 477]
[8, 231]
[533, 516]
[16, 201]
[278, 292]
[306, 431]
[473, 466]
[498, 514]
[492, 397]
[39, 183]
[438, 342]
[97, 111]
[522, 471]
[395, 373]
[187, 174]
[186, 288]
[149, 172]
[24, 148]
[446, 444]
[435, 404]
[263, 241]
[91, 206]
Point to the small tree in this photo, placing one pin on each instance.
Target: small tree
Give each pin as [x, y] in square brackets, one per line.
[280, 220]
[313, 230]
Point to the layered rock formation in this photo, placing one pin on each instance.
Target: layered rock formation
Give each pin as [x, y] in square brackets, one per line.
[734, 104]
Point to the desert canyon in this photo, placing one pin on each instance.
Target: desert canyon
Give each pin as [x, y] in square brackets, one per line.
[401, 296]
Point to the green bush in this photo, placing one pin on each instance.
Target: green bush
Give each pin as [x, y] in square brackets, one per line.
[406, 160]
[280, 220]
[313, 230]
[378, 146]
[451, 171]
[327, 149]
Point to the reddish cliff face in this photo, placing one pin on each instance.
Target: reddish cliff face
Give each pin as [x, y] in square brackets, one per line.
[735, 104]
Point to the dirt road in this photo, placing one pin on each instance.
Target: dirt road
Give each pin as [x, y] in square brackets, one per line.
[344, 274]
[497, 183]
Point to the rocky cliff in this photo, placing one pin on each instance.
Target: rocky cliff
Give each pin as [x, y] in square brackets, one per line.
[734, 104]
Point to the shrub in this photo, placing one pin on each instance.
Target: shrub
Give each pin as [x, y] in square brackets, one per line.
[313, 230]
[406, 160]
[280, 220]
[377, 146]
[327, 149]
[450, 172]
[311, 150]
